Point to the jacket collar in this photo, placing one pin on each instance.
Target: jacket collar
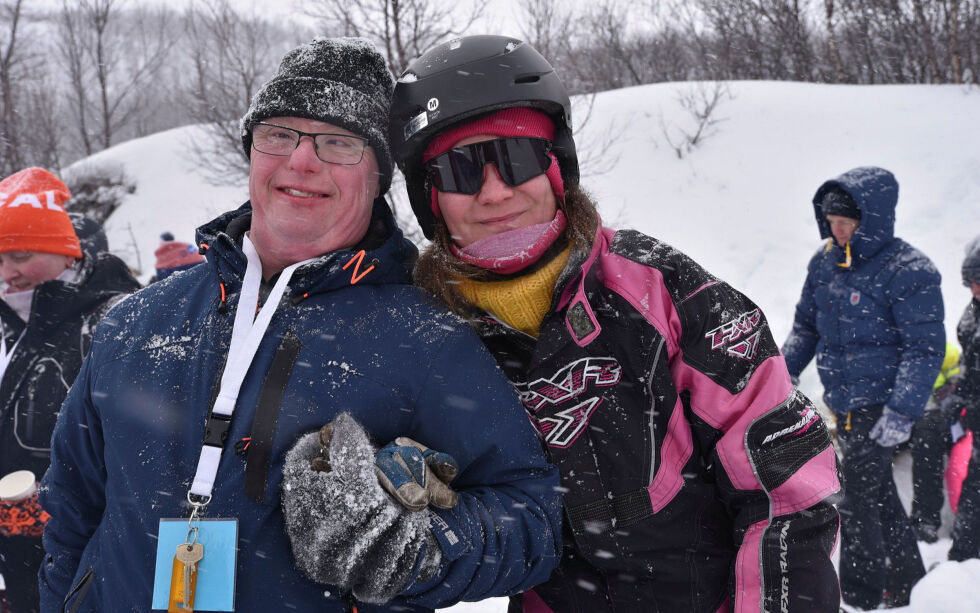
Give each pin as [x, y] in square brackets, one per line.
[572, 290]
[383, 256]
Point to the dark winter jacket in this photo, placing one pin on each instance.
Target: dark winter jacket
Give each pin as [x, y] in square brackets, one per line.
[350, 335]
[695, 474]
[968, 333]
[876, 326]
[968, 382]
[48, 357]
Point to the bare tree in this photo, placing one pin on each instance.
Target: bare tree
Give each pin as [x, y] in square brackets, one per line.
[833, 51]
[961, 38]
[789, 30]
[615, 44]
[71, 48]
[548, 26]
[969, 40]
[701, 101]
[29, 113]
[231, 55]
[906, 41]
[951, 24]
[44, 145]
[404, 29]
[609, 26]
[109, 56]
[11, 61]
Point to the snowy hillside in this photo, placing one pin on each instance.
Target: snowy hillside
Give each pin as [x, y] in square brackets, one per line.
[739, 203]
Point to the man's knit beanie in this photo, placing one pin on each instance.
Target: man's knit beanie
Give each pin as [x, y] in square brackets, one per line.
[343, 81]
[32, 214]
[839, 202]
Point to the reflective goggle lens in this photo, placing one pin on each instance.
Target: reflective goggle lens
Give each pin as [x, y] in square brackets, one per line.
[460, 170]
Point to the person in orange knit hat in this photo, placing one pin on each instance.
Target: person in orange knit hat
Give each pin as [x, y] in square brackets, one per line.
[54, 295]
[37, 240]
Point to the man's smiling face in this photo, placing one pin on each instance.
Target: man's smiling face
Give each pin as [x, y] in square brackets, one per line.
[304, 207]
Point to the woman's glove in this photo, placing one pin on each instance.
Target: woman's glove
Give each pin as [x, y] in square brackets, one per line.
[344, 529]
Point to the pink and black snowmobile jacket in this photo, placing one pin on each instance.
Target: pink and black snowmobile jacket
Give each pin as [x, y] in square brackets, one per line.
[697, 479]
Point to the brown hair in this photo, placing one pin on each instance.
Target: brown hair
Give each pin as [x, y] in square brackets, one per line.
[439, 271]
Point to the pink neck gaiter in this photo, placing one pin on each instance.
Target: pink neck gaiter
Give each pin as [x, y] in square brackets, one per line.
[510, 252]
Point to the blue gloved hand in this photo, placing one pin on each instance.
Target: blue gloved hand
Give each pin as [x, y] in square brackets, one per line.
[891, 429]
[415, 475]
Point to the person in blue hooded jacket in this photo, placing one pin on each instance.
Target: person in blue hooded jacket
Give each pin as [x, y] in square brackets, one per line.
[198, 388]
[871, 312]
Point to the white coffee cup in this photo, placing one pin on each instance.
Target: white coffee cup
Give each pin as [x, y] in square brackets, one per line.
[18, 485]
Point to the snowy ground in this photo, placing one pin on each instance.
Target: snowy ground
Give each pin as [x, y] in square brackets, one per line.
[950, 587]
[739, 203]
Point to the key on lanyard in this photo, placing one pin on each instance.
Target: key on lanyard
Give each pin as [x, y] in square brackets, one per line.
[183, 580]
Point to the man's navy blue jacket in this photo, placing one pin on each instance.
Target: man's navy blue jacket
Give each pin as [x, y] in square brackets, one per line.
[359, 339]
[876, 326]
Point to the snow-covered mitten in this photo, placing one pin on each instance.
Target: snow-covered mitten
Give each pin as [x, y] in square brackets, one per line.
[415, 475]
[344, 529]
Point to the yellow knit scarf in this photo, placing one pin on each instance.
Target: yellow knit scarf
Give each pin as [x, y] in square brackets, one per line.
[520, 302]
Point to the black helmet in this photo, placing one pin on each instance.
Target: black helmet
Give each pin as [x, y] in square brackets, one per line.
[461, 80]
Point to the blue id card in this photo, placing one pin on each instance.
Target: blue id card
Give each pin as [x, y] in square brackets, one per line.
[216, 571]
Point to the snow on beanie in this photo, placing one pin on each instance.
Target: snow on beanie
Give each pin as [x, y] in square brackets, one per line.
[839, 202]
[343, 81]
[174, 255]
[508, 123]
[32, 214]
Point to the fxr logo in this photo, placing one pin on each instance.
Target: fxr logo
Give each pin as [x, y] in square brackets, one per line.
[565, 426]
[33, 200]
[571, 381]
[743, 326]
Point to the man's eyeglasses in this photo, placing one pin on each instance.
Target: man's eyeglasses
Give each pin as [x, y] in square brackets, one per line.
[331, 148]
[460, 170]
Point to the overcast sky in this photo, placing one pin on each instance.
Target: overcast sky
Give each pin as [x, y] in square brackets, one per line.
[499, 15]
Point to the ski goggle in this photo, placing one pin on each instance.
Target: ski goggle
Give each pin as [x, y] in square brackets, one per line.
[460, 170]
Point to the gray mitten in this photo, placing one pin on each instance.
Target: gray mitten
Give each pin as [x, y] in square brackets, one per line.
[344, 529]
